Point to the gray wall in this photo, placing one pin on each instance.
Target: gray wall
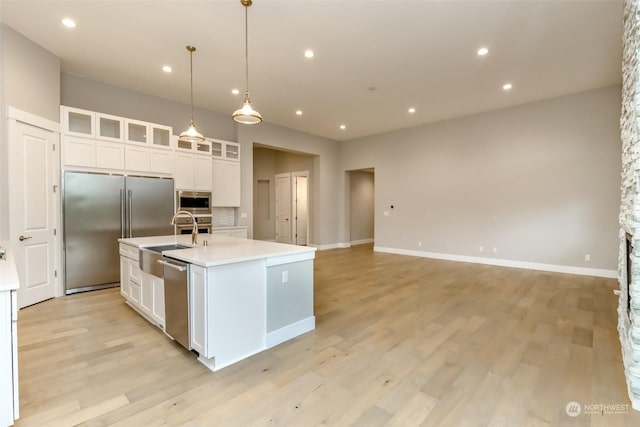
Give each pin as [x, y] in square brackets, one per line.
[361, 197]
[539, 182]
[30, 82]
[81, 92]
[325, 199]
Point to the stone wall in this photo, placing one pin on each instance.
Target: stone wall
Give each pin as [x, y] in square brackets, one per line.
[629, 322]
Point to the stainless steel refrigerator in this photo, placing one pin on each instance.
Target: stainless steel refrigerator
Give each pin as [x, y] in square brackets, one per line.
[97, 210]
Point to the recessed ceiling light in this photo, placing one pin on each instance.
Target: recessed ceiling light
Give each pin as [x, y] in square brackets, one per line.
[343, 127]
[483, 51]
[412, 110]
[308, 53]
[235, 91]
[69, 23]
[167, 69]
[299, 113]
[507, 86]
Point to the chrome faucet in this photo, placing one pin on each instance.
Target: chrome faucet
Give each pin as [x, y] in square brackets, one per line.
[194, 230]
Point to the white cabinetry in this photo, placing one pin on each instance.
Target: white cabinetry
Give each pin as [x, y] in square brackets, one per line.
[225, 149]
[143, 291]
[93, 140]
[240, 232]
[197, 312]
[226, 183]
[193, 166]
[9, 408]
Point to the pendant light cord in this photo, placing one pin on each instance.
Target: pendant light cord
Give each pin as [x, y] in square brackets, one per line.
[246, 47]
[191, 49]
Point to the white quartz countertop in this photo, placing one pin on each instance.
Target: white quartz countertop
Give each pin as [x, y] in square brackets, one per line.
[8, 272]
[221, 250]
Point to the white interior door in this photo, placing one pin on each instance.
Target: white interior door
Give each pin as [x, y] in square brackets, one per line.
[283, 208]
[31, 210]
[301, 208]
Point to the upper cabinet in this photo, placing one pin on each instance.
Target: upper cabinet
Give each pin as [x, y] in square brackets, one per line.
[224, 149]
[110, 128]
[78, 122]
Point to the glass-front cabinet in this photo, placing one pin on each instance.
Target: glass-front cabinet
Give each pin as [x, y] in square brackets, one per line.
[224, 149]
[78, 122]
[110, 128]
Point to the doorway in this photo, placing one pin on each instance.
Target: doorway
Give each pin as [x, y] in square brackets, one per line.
[283, 195]
[361, 206]
[33, 187]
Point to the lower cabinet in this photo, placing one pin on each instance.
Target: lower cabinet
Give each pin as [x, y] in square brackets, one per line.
[9, 408]
[143, 291]
[197, 312]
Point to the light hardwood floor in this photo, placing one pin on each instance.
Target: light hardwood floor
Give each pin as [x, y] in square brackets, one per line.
[400, 341]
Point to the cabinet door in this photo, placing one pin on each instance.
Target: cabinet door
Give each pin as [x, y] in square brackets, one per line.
[78, 122]
[79, 152]
[146, 294]
[232, 151]
[226, 184]
[136, 132]
[184, 171]
[203, 173]
[125, 285]
[197, 312]
[161, 161]
[109, 155]
[136, 158]
[217, 148]
[110, 128]
[161, 135]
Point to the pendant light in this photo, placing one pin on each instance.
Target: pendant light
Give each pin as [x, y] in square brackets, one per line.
[246, 115]
[191, 134]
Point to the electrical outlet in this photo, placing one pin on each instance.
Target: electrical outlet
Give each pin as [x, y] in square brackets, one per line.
[420, 244]
[587, 257]
[285, 277]
[386, 213]
[243, 215]
[495, 250]
[480, 248]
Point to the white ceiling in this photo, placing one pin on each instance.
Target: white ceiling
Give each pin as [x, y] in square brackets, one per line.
[419, 54]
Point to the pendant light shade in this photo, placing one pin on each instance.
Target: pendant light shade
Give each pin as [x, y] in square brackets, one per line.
[246, 115]
[191, 134]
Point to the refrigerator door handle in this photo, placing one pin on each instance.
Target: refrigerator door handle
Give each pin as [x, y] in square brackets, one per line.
[130, 208]
[123, 218]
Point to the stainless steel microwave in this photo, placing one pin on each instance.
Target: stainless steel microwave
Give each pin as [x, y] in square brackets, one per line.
[195, 202]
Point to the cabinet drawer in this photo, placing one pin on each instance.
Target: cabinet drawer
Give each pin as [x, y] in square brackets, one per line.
[129, 251]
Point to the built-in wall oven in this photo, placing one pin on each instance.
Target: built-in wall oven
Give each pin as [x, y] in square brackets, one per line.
[185, 226]
[195, 202]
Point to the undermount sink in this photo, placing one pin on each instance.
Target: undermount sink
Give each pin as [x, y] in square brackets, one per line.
[150, 256]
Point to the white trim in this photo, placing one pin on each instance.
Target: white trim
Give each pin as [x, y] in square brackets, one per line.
[32, 119]
[611, 274]
[361, 241]
[331, 246]
[290, 331]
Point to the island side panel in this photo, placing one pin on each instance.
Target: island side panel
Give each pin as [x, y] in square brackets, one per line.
[289, 301]
[235, 311]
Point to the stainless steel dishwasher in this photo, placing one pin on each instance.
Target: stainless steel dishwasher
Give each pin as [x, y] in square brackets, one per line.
[176, 300]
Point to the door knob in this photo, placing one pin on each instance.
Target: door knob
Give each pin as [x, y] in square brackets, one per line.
[23, 238]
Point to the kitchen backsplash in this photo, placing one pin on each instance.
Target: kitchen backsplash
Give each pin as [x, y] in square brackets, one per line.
[224, 217]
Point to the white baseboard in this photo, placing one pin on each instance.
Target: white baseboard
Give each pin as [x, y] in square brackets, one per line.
[331, 246]
[290, 331]
[361, 241]
[611, 274]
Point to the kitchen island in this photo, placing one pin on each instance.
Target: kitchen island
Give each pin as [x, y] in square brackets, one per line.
[245, 295]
